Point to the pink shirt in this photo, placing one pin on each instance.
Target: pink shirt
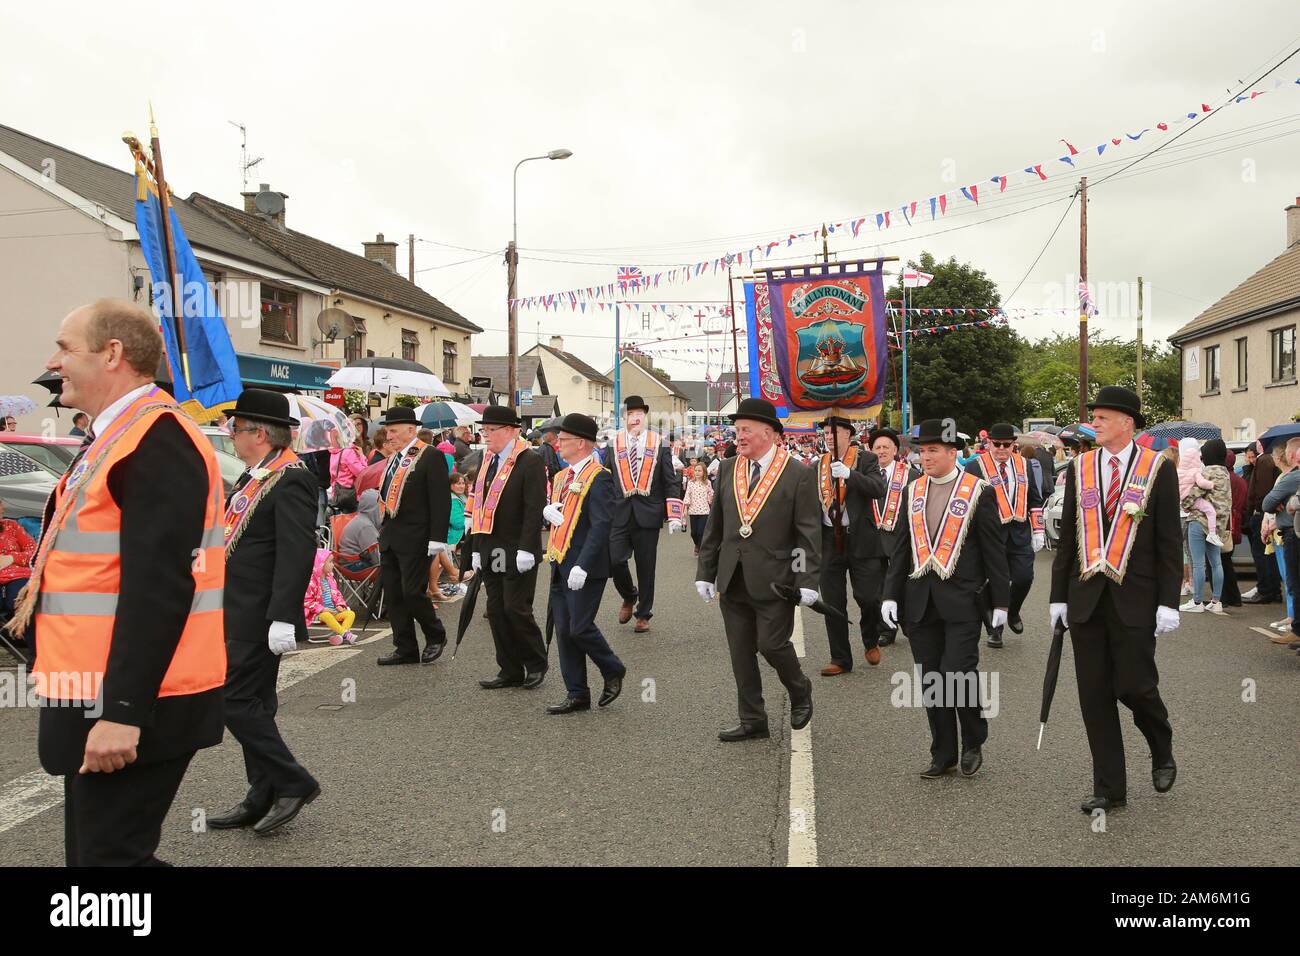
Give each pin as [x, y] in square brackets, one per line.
[346, 465]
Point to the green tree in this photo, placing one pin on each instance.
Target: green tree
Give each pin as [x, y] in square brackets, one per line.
[971, 374]
[1050, 375]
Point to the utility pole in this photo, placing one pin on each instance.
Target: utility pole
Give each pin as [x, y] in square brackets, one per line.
[1139, 343]
[512, 325]
[1083, 305]
[411, 244]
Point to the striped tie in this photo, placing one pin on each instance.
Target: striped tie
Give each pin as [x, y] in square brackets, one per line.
[1112, 494]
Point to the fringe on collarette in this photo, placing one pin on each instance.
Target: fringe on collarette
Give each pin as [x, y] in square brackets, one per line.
[980, 485]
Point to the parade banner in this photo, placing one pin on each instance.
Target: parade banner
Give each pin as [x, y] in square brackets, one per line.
[764, 382]
[820, 333]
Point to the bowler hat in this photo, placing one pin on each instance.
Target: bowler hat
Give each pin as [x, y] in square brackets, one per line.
[580, 426]
[1120, 399]
[1002, 431]
[400, 415]
[634, 402]
[884, 433]
[836, 421]
[500, 415]
[932, 431]
[263, 405]
[758, 410]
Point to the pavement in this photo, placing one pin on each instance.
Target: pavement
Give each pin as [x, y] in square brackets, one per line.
[419, 766]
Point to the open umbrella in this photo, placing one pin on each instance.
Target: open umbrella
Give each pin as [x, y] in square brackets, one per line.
[791, 596]
[1049, 679]
[467, 611]
[1041, 437]
[1071, 434]
[323, 427]
[446, 415]
[1279, 433]
[50, 380]
[1161, 436]
[382, 374]
[16, 405]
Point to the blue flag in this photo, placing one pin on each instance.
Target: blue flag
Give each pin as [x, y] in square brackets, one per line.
[209, 353]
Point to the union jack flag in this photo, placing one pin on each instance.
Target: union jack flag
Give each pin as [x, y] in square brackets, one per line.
[629, 277]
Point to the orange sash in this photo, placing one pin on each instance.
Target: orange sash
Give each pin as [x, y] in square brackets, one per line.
[993, 475]
[570, 491]
[404, 468]
[645, 474]
[885, 520]
[825, 482]
[749, 505]
[246, 500]
[1099, 552]
[485, 506]
[941, 557]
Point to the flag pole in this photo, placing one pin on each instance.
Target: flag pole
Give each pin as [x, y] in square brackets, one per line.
[169, 251]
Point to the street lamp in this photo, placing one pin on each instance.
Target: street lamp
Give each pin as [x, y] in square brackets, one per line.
[512, 264]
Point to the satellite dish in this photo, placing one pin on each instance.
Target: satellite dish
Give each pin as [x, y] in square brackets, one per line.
[577, 379]
[269, 203]
[334, 323]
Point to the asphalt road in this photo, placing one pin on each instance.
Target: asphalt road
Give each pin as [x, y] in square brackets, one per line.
[424, 767]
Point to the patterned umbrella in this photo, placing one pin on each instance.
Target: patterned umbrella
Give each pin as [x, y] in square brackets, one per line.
[16, 405]
[1159, 437]
[446, 415]
[323, 427]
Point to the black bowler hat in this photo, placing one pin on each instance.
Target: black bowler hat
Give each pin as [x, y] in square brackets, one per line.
[758, 410]
[1120, 399]
[1002, 431]
[263, 405]
[580, 426]
[400, 415]
[836, 421]
[931, 432]
[501, 415]
[884, 433]
[636, 401]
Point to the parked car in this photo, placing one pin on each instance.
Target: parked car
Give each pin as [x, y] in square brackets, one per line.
[220, 439]
[53, 454]
[25, 485]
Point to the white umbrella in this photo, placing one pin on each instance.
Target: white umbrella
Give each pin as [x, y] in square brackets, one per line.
[16, 405]
[390, 375]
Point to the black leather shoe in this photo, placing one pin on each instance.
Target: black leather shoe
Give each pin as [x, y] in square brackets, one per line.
[744, 732]
[801, 711]
[282, 811]
[886, 639]
[971, 761]
[396, 658]
[569, 705]
[1102, 803]
[936, 770]
[995, 637]
[1293, 646]
[1272, 599]
[1016, 624]
[244, 815]
[613, 687]
[496, 683]
[532, 681]
[1162, 778]
[432, 652]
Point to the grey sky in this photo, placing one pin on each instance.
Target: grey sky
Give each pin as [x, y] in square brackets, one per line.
[690, 122]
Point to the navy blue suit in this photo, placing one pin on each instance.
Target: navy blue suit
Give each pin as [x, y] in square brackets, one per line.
[574, 612]
[1018, 536]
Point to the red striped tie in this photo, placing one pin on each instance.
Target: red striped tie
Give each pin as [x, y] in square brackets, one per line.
[1112, 495]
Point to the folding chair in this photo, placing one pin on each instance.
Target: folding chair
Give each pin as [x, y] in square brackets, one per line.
[361, 589]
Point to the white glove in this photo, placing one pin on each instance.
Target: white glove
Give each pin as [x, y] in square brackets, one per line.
[999, 617]
[524, 561]
[713, 466]
[889, 612]
[706, 590]
[577, 578]
[807, 597]
[674, 527]
[1040, 539]
[436, 548]
[1166, 620]
[476, 562]
[554, 514]
[677, 464]
[281, 638]
[839, 470]
[1058, 615]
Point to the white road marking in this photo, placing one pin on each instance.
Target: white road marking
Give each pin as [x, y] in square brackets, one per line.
[35, 792]
[797, 636]
[802, 844]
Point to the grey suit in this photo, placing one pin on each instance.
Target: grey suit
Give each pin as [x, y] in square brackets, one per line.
[785, 547]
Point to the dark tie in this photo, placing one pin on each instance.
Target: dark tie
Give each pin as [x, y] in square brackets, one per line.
[491, 473]
[389, 472]
[81, 452]
[1006, 484]
[634, 453]
[755, 469]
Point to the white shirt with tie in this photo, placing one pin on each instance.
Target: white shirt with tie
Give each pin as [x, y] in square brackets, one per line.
[1123, 456]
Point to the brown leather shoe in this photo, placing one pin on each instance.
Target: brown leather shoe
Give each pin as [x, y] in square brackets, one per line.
[1286, 637]
[873, 656]
[625, 613]
[833, 670]
[642, 626]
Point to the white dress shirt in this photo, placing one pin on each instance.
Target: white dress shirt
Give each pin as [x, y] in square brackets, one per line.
[763, 463]
[1010, 485]
[106, 417]
[1124, 455]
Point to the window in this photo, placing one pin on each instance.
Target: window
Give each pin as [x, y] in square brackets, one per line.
[354, 344]
[410, 345]
[279, 315]
[1212, 369]
[1283, 354]
[449, 362]
[1242, 370]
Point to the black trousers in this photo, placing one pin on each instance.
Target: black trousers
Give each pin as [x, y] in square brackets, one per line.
[518, 640]
[1231, 593]
[406, 584]
[115, 819]
[949, 654]
[645, 550]
[698, 523]
[251, 703]
[1268, 580]
[866, 576]
[1020, 561]
[753, 628]
[1114, 662]
[578, 637]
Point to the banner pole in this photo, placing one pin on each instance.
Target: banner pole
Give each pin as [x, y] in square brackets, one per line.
[735, 348]
[907, 426]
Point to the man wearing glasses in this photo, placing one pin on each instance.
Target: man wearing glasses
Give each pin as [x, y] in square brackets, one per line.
[1020, 509]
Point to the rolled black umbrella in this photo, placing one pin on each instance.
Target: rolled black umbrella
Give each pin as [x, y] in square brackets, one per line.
[791, 596]
[550, 624]
[1049, 679]
[467, 611]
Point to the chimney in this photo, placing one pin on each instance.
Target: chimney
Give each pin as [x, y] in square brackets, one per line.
[1293, 223]
[640, 358]
[385, 253]
[557, 343]
[250, 204]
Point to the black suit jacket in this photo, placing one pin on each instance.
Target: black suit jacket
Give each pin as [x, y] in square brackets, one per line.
[268, 570]
[1154, 575]
[983, 557]
[518, 522]
[1017, 534]
[647, 511]
[424, 511]
[866, 483]
[786, 544]
[589, 548]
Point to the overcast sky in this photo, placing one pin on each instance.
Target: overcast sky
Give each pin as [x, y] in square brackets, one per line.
[690, 122]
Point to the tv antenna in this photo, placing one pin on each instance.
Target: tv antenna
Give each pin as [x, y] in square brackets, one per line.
[245, 164]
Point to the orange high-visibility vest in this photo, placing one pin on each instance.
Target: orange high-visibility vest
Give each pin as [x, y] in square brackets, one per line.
[77, 604]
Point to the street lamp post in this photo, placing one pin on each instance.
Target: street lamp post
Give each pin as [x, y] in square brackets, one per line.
[512, 268]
